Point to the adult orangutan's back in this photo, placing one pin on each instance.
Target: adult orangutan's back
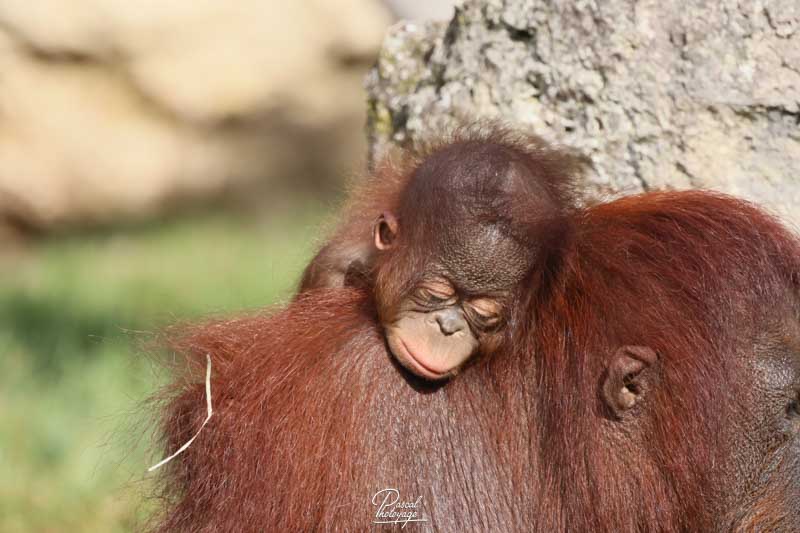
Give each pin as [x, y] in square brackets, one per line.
[652, 385]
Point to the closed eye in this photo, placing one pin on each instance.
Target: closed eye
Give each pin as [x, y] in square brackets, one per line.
[435, 292]
[484, 313]
[486, 308]
[428, 297]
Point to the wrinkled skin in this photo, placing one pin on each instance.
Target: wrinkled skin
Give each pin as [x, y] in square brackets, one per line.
[434, 336]
[765, 424]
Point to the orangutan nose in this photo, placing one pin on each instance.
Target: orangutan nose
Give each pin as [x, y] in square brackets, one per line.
[450, 321]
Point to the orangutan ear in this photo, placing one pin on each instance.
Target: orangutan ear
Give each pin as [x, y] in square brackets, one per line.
[629, 377]
[385, 231]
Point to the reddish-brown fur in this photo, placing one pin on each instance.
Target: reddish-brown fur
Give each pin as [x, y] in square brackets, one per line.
[312, 418]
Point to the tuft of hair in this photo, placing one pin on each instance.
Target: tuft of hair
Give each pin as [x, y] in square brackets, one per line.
[557, 168]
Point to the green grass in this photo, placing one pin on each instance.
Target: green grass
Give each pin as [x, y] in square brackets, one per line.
[73, 311]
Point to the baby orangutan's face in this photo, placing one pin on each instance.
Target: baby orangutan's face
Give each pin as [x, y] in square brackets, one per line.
[436, 331]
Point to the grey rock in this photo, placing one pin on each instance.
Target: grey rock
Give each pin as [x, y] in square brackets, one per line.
[660, 94]
[421, 9]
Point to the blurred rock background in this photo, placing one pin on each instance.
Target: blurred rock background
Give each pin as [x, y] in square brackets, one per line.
[112, 110]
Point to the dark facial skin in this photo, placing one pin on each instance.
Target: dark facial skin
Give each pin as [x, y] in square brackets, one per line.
[766, 423]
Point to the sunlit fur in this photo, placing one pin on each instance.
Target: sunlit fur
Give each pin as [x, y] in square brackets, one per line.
[312, 417]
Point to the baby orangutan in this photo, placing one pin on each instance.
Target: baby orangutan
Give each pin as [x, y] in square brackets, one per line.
[443, 240]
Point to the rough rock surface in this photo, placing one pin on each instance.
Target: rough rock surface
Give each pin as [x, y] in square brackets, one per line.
[114, 108]
[676, 93]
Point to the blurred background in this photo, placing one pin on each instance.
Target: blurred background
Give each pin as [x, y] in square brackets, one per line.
[158, 161]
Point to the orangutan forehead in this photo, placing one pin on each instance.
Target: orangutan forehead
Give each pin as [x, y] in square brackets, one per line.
[469, 181]
[482, 258]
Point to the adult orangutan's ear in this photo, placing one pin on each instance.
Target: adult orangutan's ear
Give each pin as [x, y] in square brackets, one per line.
[629, 378]
[385, 231]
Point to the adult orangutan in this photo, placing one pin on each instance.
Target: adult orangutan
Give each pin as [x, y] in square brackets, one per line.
[647, 380]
